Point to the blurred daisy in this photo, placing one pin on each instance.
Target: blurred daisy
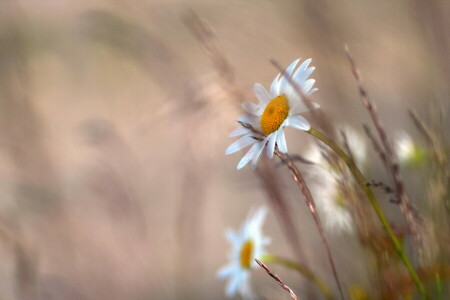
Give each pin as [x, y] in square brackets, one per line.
[330, 184]
[408, 152]
[275, 110]
[247, 245]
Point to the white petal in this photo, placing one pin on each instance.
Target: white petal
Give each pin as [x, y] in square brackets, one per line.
[274, 90]
[245, 288]
[313, 90]
[239, 131]
[285, 78]
[250, 107]
[259, 216]
[248, 156]
[250, 119]
[240, 144]
[292, 66]
[232, 237]
[281, 141]
[301, 108]
[227, 270]
[298, 122]
[302, 73]
[233, 284]
[261, 94]
[258, 152]
[308, 86]
[271, 144]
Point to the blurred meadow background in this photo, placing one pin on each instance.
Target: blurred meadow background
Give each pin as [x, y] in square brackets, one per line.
[115, 117]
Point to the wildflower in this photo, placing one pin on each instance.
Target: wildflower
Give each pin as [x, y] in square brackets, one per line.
[408, 151]
[275, 110]
[247, 245]
[331, 188]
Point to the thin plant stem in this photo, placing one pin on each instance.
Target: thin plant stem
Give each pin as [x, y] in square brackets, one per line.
[302, 269]
[277, 279]
[373, 201]
[312, 208]
[438, 287]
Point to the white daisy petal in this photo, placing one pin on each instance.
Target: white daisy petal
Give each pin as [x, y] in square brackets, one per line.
[285, 78]
[258, 152]
[233, 285]
[271, 145]
[250, 119]
[308, 86]
[281, 141]
[240, 144]
[232, 237]
[227, 270]
[248, 156]
[302, 73]
[250, 107]
[313, 90]
[239, 131]
[298, 122]
[274, 87]
[245, 289]
[261, 94]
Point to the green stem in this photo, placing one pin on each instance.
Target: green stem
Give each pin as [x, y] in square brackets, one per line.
[302, 269]
[373, 201]
[438, 287]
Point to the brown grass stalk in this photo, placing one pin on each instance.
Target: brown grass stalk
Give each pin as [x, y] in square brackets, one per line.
[312, 208]
[277, 279]
[411, 215]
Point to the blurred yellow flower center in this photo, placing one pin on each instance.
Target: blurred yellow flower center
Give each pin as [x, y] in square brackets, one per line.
[247, 254]
[275, 113]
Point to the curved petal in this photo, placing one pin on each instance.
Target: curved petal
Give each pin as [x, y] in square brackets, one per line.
[240, 144]
[232, 237]
[250, 119]
[261, 94]
[303, 72]
[233, 284]
[245, 288]
[284, 79]
[227, 270]
[298, 122]
[274, 87]
[250, 107]
[281, 140]
[239, 131]
[313, 90]
[258, 152]
[301, 108]
[308, 86]
[271, 144]
[248, 156]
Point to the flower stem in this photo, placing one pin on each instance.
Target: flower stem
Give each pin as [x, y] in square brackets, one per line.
[302, 269]
[373, 201]
[312, 208]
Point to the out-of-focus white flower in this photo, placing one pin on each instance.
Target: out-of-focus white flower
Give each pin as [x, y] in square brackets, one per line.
[331, 201]
[247, 245]
[329, 183]
[275, 110]
[408, 152]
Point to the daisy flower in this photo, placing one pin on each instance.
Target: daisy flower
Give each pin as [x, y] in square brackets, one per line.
[329, 187]
[276, 109]
[408, 151]
[247, 245]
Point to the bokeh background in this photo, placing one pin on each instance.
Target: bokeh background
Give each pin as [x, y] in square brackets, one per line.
[114, 121]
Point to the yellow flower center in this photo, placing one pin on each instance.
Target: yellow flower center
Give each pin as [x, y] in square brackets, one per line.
[247, 254]
[275, 113]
